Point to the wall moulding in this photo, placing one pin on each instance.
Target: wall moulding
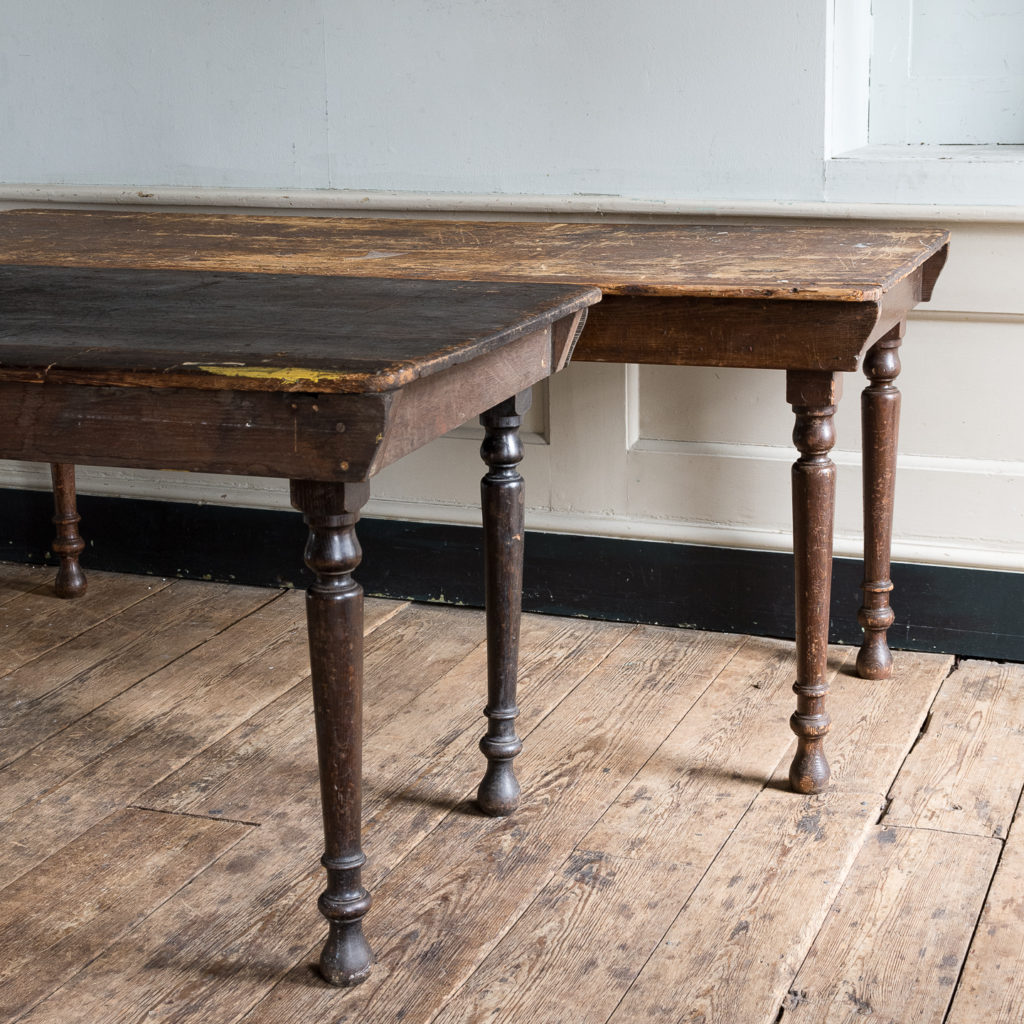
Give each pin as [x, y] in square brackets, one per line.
[273, 494]
[326, 201]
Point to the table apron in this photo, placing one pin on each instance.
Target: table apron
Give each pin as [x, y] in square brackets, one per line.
[243, 432]
[433, 405]
[757, 333]
[296, 435]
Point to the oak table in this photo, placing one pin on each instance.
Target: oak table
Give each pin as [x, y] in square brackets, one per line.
[813, 300]
[323, 381]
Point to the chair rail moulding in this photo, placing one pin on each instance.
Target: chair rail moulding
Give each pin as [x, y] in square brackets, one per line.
[371, 203]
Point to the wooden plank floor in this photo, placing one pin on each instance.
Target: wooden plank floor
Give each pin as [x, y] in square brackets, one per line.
[160, 830]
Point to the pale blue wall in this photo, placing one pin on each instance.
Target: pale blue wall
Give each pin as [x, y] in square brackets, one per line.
[659, 98]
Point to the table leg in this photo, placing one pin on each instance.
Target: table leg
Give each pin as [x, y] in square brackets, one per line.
[502, 501]
[334, 612]
[813, 395]
[880, 424]
[68, 543]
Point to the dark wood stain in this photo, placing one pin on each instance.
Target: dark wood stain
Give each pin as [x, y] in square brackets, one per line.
[246, 332]
[322, 380]
[848, 263]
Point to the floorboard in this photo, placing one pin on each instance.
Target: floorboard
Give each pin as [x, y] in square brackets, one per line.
[64, 913]
[898, 932]
[964, 772]
[991, 988]
[160, 830]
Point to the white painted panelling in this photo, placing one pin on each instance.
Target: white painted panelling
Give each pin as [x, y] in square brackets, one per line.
[563, 110]
[955, 511]
[495, 206]
[961, 390]
[671, 102]
[984, 271]
[713, 404]
[747, 407]
[848, 75]
[946, 87]
[169, 485]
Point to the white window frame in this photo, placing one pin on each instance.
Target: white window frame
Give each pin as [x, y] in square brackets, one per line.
[858, 172]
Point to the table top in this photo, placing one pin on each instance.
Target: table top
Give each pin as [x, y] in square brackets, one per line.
[258, 332]
[834, 261]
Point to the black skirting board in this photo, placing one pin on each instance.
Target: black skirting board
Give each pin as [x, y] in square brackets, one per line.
[969, 612]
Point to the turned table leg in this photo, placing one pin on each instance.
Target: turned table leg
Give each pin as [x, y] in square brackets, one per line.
[334, 612]
[880, 424]
[68, 544]
[502, 501]
[813, 395]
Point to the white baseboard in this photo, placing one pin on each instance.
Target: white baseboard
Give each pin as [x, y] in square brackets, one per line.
[255, 492]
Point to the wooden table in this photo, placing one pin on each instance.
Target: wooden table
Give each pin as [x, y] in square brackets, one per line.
[811, 300]
[323, 381]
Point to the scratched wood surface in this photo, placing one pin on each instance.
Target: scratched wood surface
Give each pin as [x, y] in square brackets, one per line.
[842, 262]
[964, 772]
[896, 936]
[161, 838]
[992, 986]
[254, 331]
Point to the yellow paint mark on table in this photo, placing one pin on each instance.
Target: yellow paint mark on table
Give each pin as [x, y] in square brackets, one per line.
[284, 374]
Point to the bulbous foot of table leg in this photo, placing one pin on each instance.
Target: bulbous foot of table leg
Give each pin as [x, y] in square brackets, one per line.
[809, 772]
[346, 958]
[874, 659]
[70, 581]
[498, 795]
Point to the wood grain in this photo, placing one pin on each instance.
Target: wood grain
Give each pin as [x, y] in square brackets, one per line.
[772, 333]
[814, 397]
[845, 262]
[54, 691]
[963, 775]
[808, 296]
[67, 545]
[247, 774]
[678, 817]
[468, 882]
[16, 580]
[897, 934]
[733, 951]
[72, 906]
[71, 757]
[35, 622]
[875, 724]
[206, 693]
[992, 985]
[258, 433]
[222, 963]
[880, 421]
[256, 331]
[793, 856]
[591, 929]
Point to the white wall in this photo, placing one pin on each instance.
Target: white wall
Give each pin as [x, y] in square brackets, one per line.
[566, 108]
[660, 99]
